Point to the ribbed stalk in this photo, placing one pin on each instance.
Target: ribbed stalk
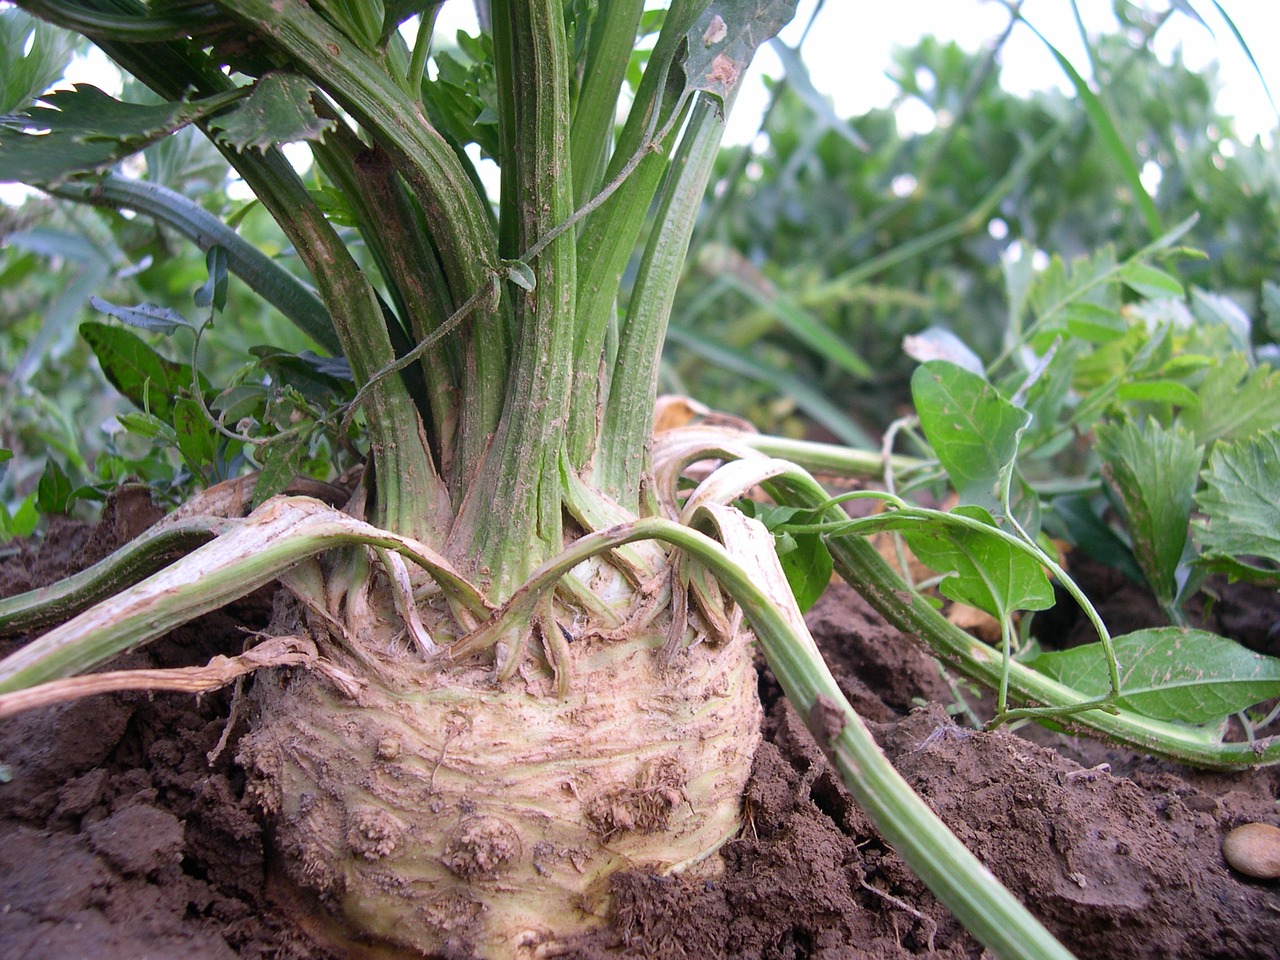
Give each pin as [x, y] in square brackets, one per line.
[613, 36]
[511, 518]
[628, 413]
[393, 229]
[610, 234]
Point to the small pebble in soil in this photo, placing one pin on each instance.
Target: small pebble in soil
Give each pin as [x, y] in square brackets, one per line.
[1254, 850]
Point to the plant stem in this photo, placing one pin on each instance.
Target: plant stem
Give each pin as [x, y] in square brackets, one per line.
[628, 412]
[613, 36]
[453, 209]
[608, 238]
[246, 555]
[511, 518]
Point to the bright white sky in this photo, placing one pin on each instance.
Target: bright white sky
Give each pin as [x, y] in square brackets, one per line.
[848, 48]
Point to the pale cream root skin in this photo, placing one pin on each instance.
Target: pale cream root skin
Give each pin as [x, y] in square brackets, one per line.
[451, 813]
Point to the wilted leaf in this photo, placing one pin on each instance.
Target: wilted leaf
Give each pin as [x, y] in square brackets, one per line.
[278, 110]
[938, 343]
[1154, 470]
[973, 430]
[1170, 673]
[521, 274]
[725, 38]
[145, 316]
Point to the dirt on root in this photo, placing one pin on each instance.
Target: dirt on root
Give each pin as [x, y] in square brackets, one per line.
[125, 833]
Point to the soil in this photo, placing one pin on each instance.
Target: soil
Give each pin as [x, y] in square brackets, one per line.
[125, 833]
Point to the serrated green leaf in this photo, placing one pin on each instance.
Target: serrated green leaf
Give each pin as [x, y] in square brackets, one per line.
[1157, 391]
[1060, 286]
[724, 39]
[197, 440]
[280, 461]
[84, 130]
[1237, 570]
[33, 55]
[1236, 401]
[973, 430]
[1170, 673]
[145, 316]
[53, 492]
[1151, 282]
[461, 101]
[213, 293]
[985, 570]
[278, 110]
[1154, 470]
[1241, 500]
[148, 380]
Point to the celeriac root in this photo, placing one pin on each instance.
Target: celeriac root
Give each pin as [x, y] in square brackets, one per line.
[443, 810]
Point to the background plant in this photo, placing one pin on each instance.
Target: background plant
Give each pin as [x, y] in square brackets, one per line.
[856, 232]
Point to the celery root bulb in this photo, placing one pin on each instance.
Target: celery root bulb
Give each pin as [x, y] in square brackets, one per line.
[441, 811]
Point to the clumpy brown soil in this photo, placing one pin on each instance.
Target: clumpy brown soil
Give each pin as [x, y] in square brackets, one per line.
[124, 832]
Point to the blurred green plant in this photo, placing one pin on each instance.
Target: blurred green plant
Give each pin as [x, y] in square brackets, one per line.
[864, 232]
[62, 414]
